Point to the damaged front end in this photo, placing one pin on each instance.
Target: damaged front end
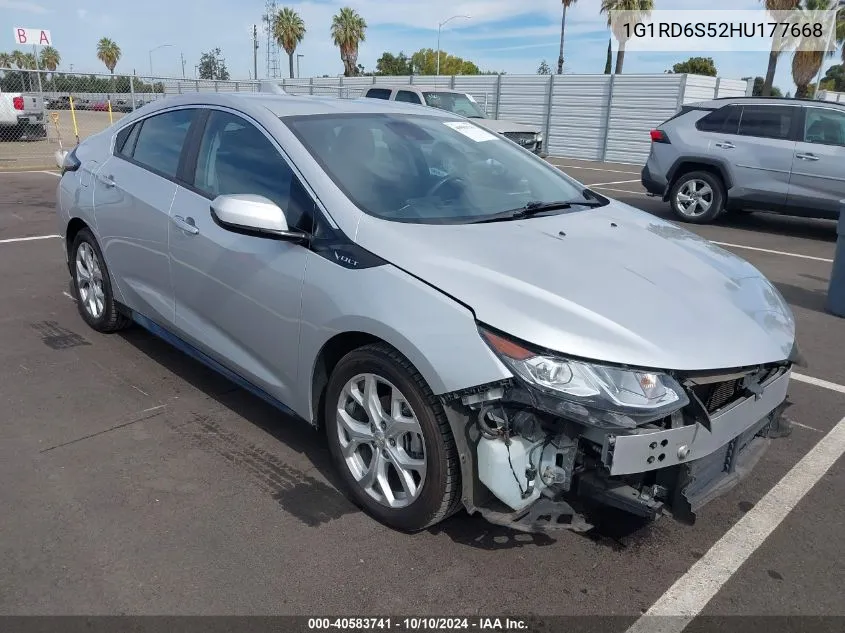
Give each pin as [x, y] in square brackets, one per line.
[566, 434]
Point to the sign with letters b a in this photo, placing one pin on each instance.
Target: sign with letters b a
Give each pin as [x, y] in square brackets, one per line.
[32, 37]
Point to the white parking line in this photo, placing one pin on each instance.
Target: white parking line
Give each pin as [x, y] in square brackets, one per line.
[686, 599]
[609, 171]
[636, 193]
[28, 239]
[768, 250]
[615, 182]
[818, 382]
[32, 171]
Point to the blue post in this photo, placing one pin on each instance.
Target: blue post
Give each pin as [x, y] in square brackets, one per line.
[836, 289]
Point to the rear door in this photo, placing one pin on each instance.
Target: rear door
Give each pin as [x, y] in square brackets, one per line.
[133, 192]
[817, 184]
[759, 152]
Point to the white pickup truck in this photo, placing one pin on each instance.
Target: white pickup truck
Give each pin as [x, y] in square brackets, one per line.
[21, 117]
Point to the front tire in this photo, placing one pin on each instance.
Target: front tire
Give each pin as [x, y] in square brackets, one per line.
[92, 285]
[697, 197]
[390, 439]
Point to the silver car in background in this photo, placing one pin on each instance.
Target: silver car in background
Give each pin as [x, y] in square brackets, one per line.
[471, 327]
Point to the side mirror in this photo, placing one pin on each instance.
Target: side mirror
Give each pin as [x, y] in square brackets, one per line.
[252, 214]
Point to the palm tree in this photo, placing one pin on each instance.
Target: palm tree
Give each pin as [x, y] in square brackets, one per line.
[108, 52]
[21, 60]
[807, 60]
[6, 60]
[777, 42]
[566, 5]
[641, 9]
[50, 58]
[348, 30]
[288, 30]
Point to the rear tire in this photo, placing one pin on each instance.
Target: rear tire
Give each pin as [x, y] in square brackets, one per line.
[697, 197]
[92, 285]
[401, 441]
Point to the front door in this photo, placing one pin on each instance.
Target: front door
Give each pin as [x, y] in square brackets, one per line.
[818, 165]
[238, 296]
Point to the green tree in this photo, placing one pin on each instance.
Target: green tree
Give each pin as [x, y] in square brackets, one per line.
[696, 66]
[757, 90]
[390, 64]
[425, 63]
[543, 68]
[566, 4]
[348, 31]
[49, 59]
[213, 66]
[640, 9]
[834, 78]
[109, 53]
[6, 60]
[288, 30]
[778, 43]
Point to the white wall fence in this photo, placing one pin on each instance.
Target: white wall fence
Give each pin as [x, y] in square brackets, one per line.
[592, 117]
[830, 95]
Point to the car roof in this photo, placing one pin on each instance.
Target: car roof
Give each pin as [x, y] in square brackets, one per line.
[282, 105]
[415, 87]
[781, 101]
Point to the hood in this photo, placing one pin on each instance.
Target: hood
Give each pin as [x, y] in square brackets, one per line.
[500, 126]
[611, 284]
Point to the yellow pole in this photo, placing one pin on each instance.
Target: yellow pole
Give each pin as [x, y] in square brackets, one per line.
[111, 119]
[73, 116]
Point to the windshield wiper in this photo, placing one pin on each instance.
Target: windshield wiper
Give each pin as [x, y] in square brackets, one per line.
[535, 206]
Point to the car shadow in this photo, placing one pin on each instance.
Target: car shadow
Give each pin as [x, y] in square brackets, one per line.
[297, 490]
[814, 300]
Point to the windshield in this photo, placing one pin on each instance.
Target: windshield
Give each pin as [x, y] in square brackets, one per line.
[425, 169]
[454, 102]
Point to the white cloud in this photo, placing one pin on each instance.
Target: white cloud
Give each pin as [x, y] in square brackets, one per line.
[22, 5]
[81, 13]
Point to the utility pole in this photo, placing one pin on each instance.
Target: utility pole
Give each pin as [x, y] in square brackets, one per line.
[182, 56]
[255, 51]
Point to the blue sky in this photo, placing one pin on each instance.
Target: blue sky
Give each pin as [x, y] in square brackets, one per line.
[501, 35]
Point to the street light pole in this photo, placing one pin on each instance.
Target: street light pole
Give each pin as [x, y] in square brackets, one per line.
[152, 50]
[439, 27]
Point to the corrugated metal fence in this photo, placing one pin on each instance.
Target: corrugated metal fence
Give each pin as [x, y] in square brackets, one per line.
[593, 117]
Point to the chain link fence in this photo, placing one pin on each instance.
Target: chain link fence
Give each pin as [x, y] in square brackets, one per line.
[42, 112]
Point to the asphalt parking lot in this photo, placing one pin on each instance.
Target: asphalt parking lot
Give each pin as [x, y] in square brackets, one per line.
[135, 481]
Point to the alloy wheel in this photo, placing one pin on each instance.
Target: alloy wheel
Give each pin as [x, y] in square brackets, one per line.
[89, 281]
[381, 440]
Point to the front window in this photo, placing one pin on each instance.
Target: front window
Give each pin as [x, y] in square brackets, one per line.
[426, 169]
[454, 102]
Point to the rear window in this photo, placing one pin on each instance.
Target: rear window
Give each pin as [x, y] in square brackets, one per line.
[766, 121]
[683, 111]
[378, 93]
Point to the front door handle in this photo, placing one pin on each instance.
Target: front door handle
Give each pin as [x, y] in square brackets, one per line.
[725, 145]
[108, 181]
[807, 156]
[186, 224]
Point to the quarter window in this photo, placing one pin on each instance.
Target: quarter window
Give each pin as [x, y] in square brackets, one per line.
[160, 141]
[724, 120]
[236, 157]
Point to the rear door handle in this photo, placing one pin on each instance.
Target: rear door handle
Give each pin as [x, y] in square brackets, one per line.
[725, 145]
[807, 156]
[186, 224]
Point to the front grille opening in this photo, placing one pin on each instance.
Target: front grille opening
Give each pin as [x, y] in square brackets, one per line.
[719, 394]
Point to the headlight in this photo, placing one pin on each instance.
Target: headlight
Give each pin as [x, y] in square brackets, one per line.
[592, 393]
